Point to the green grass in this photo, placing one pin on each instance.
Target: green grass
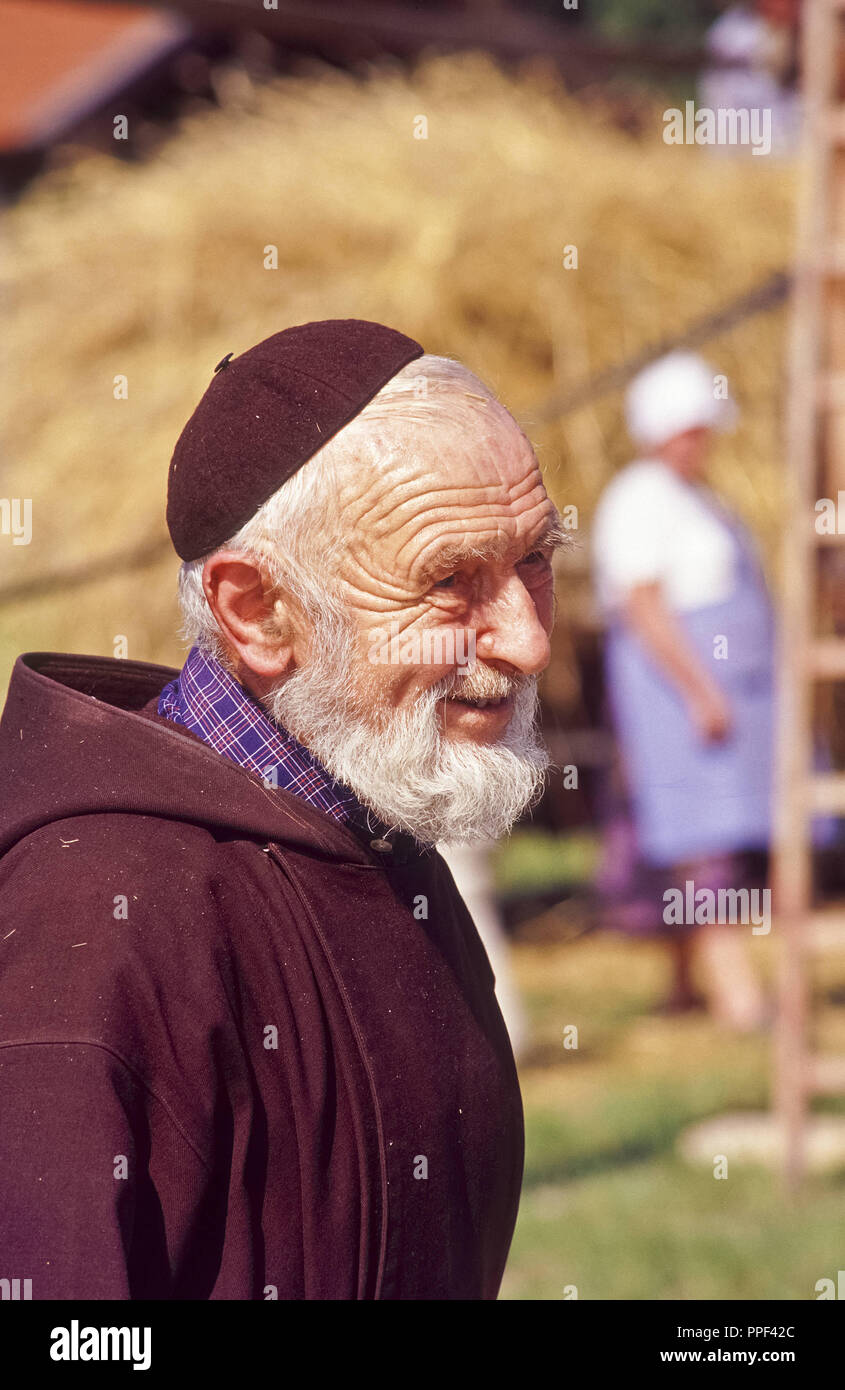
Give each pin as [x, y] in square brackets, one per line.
[608, 1205]
[655, 1229]
[534, 860]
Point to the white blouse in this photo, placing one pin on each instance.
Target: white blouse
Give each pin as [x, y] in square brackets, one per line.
[650, 525]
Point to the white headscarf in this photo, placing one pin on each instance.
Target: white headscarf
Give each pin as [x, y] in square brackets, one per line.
[674, 394]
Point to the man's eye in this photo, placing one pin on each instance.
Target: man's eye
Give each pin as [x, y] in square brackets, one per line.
[445, 583]
[535, 558]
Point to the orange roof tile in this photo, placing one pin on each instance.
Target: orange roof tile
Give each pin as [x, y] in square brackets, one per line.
[60, 61]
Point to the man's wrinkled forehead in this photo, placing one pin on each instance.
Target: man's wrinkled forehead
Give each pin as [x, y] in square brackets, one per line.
[477, 486]
[484, 458]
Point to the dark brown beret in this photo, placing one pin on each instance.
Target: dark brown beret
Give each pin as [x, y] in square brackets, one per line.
[266, 413]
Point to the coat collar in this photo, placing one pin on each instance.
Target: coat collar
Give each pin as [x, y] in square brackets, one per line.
[80, 735]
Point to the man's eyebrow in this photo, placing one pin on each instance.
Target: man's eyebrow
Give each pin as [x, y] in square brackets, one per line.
[451, 557]
[554, 533]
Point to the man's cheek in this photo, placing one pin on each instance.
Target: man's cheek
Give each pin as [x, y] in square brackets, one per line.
[544, 603]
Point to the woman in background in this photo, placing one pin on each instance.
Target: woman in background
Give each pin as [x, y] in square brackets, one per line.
[689, 664]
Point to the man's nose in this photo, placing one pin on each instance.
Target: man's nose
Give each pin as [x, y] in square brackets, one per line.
[509, 629]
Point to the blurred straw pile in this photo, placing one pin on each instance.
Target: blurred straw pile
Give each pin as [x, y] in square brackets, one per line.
[155, 271]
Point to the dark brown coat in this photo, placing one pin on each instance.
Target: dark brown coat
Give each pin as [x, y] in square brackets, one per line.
[229, 1034]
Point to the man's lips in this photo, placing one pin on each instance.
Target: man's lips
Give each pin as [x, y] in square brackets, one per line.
[499, 705]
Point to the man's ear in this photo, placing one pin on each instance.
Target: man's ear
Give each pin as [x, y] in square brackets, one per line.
[259, 628]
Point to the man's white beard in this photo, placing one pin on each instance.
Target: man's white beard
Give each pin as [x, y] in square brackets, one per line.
[397, 761]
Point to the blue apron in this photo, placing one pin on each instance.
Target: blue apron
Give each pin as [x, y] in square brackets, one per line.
[690, 799]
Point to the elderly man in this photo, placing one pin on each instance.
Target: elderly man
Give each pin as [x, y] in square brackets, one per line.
[250, 1044]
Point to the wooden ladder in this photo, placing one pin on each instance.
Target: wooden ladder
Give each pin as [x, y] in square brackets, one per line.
[815, 436]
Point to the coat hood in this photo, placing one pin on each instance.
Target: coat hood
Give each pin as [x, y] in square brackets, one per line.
[80, 735]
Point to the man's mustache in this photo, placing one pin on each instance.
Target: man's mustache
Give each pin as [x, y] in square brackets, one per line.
[483, 683]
